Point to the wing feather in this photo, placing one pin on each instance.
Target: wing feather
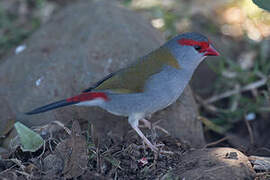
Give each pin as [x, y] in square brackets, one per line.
[133, 78]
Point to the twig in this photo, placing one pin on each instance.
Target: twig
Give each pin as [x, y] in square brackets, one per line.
[63, 126]
[235, 102]
[151, 126]
[43, 151]
[264, 109]
[216, 142]
[28, 176]
[264, 148]
[6, 170]
[260, 163]
[208, 107]
[248, 87]
[214, 168]
[18, 162]
[100, 170]
[262, 174]
[250, 132]
[211, 125]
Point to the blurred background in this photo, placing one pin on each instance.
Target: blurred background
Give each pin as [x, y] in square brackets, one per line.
[232, 91]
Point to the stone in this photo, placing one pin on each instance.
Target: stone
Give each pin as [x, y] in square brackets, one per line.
[81, 44]
[216, 164]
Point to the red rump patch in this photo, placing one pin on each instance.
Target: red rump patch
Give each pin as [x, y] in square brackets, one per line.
[88, 96]
[189, 42]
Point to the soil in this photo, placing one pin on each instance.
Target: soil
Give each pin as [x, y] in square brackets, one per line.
[74, 155]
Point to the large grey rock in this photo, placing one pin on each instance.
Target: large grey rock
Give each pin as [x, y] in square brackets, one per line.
[79, 46]
[215, 164]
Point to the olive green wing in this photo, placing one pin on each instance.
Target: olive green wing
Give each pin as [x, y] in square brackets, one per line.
[133, 78]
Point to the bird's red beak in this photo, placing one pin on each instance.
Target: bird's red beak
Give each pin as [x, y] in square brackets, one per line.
[210, 51]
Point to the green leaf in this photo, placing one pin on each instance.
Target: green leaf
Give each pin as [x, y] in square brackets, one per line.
[264, 4]
[30, 140]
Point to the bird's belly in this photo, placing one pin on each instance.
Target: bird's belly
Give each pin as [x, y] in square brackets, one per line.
[128, 104]
[162, 90]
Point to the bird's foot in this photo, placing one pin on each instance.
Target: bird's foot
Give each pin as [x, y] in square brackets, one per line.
[158, 148]
[154, 125]
[153, 147]
[133, 120]
[166, 152]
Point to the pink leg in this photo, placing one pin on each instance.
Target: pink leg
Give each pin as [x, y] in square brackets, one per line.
[149, 125]
[134, 122]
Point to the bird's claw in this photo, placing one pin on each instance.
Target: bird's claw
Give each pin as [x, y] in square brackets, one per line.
[154, 125]
[157, 149]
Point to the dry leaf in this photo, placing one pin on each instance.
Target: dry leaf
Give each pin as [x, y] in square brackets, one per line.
[74, 153]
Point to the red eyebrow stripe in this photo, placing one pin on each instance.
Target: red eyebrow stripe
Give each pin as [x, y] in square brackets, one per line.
[189, 42]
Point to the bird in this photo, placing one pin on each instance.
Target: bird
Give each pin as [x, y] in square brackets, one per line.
[149, 84]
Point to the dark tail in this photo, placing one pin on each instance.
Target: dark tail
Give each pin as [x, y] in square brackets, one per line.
[88, 96]
[51, 106]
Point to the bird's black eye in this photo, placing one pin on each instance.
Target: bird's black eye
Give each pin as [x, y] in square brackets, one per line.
[197, 48]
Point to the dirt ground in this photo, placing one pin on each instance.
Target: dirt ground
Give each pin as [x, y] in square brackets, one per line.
[66, 156]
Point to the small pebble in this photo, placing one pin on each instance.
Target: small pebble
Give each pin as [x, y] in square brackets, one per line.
[250, 116]
[20, 49]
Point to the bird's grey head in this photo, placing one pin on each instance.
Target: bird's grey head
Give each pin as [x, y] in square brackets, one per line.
[190, 49]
